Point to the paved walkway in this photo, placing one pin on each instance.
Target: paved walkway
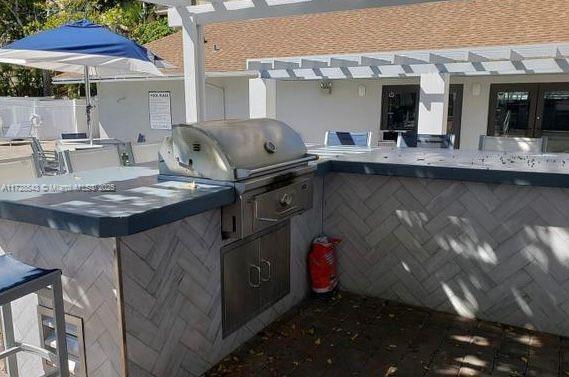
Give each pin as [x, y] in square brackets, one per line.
[357, 336]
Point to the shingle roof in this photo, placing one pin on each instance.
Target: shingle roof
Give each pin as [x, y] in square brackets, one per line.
[441, 25]
[458, 23]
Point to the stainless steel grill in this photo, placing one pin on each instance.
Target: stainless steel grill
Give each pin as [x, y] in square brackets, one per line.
[264, 160]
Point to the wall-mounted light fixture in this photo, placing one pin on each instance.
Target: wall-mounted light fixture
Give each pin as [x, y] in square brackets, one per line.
[326, 87]
[476, 89]
[362, 91]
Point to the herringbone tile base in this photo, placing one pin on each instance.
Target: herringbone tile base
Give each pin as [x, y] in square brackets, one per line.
[172, 291]
[170, 285]
[89, 289]
[496, 252]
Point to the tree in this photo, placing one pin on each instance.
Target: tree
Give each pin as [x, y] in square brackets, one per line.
[130, 18]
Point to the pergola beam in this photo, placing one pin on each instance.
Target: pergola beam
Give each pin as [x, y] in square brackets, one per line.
[236, 10]
[451, 59]
[529, 66]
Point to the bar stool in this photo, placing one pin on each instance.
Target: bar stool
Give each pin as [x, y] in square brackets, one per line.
[18, 280]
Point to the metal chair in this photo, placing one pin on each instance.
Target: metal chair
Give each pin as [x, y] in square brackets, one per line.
[347, 139]
[144, 153]
[413, 140]
[18, 280]
[47, 161]
[103, 156]
[513, 144]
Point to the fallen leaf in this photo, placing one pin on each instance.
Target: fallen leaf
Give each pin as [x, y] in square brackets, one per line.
[391, 315]
[391, 371]
[391, 347]
[355, 337]
[329, 361]
[317, 341]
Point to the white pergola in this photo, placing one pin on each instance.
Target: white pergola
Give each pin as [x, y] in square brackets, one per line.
[499, 60]
[433, 67]
[192, 18]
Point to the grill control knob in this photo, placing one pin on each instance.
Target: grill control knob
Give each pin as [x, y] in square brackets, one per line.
[286, 200]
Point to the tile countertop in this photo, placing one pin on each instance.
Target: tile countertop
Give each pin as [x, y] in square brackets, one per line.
[549, 170]
[138, 202]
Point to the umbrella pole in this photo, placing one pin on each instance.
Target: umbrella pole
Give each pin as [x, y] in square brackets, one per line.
[88, 103]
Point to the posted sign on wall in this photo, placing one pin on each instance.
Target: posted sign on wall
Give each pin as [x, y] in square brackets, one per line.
[160, 110]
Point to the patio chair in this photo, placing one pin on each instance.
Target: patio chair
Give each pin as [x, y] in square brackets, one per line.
[88, 159]
[512, 144]
[19, 131]
[18, 170]
[74, 136]
[413, 140]
[144, 153]
[48, 162]
[347, 139]
[16, 281]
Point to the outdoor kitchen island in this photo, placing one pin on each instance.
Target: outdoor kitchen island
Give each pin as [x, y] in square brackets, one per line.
[141, 269]
[443, 230]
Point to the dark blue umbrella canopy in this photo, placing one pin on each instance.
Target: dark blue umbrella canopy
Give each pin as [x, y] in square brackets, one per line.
[73, 46]
[82, 47]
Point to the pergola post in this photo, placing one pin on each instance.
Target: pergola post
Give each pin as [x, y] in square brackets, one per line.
[433, 103]
[262, 98]
[194, 68]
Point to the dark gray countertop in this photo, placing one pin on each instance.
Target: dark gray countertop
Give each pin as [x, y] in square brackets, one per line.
[139, 202]
[548, 170]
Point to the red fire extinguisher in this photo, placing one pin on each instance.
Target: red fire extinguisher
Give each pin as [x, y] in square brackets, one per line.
[323, 265]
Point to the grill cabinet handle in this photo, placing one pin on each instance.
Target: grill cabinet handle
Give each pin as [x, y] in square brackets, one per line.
[268, 264]
[252, 267]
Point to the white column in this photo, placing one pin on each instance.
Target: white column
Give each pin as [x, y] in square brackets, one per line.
[433, 103]
[194, 69]
[262, 98]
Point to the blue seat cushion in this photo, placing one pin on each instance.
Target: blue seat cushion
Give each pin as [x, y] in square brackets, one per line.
[14, 273]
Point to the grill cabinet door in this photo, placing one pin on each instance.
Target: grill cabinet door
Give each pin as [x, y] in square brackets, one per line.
[241, 276]
[275, 265]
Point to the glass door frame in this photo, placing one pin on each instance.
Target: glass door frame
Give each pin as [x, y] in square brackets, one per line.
[536, 100]
[414, 88]
[543, 88]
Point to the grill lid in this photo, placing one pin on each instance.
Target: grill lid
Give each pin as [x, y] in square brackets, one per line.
[229, 149]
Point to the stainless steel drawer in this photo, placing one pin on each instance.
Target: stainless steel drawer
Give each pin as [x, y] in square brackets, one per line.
[277, 205]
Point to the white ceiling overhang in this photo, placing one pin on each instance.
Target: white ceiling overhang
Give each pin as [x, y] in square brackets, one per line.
[497, 60]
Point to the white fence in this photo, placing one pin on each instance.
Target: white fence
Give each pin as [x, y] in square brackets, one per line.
[50, 117]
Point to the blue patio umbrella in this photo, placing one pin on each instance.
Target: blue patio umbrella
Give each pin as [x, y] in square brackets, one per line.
[82, 47]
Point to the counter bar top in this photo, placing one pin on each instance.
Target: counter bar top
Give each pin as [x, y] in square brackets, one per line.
[140, 202]
[548, 170]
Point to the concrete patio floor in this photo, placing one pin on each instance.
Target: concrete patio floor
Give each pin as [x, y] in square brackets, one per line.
[352, 335]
